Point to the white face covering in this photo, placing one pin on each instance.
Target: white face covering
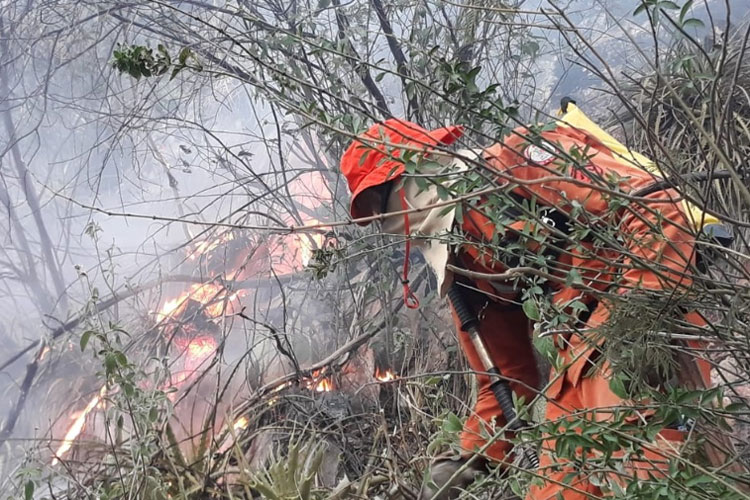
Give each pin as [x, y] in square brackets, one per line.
[430, 227]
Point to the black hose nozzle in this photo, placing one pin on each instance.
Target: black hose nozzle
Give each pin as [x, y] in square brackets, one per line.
[500, 387]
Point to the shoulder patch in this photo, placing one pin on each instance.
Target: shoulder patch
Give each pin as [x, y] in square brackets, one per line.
[539, 155]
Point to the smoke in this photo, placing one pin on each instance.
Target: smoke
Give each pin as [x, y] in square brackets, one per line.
[146, 190]
[131, 177]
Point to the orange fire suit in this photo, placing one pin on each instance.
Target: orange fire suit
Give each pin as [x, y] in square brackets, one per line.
[657, 252]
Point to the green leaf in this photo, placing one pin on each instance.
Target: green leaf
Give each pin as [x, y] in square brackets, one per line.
[577, 306]
[28, 490]
[688, 397]
[442, 192]
[693, 481]
[265, 491]
[127, 389]
[174, 72]
[530, 47]
[459, 213]
[642, 7]
[684, 10]
[573, 277]
[110, 363]
[693, 23]
[667, 5]
[122, 360]
[617, 385]
[736, 407]
[472, 74]
[166, 58]
[184, 54]
[452, 423]
[85, 339]
[531, 310]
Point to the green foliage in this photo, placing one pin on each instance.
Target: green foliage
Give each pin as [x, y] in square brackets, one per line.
[659, 8]
[639, 353]
[449, 427]
[324, 261]
[292, 476]
[141, 61]
[531, 310]
[135, 415]
[681, 483]
[476, 105]
[656, 5]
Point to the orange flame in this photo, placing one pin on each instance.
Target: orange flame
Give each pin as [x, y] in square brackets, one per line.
[319, 384]
[213, 297]
[195, 352]
[385, 375]
[325, 385]
[241, 423]
[78, 425]
[205, 246]
[200, 348]
[230, 431]
[281, 387]
[287, 254]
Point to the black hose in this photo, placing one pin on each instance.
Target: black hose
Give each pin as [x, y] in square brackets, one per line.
[500, 387]
[670, 184]
[466, 316]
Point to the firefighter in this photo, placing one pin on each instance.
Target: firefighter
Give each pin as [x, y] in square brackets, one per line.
[571, 170]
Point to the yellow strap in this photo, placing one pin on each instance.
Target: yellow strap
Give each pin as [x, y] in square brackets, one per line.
[576, 118]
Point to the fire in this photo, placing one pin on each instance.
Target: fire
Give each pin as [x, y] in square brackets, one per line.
[78, 425]
[318, 383]
[195, 351]
[200, 348]
[286, 254]
[229, 432]
[170, 306]
[241, 423]
[213, 297]
[385, 375]
[325, 385]
[205, 246]
[281, 387]
[308, 243]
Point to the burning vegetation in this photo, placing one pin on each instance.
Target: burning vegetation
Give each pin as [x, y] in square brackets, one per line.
[189, 314]
[194, 326]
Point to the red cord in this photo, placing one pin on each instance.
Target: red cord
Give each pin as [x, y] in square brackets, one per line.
[410, 300]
